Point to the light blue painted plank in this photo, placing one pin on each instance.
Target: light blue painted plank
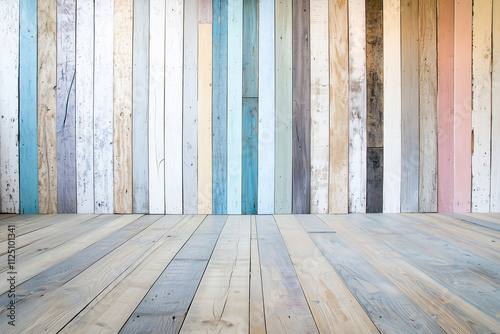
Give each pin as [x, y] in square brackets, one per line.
[249, 205]
[266, 107]
[250, 49]
[28, 147]
[234, 131]
[219, 109]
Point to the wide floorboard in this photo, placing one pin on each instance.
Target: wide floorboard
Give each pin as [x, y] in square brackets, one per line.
[370, 273]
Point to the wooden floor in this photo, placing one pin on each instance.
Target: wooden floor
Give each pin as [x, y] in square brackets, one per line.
[388, 273]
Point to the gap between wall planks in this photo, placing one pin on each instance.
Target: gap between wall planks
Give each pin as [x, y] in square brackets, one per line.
[283, 104]
[495, 110]
[46, 99]
[140, 93]
[357, 107]
[122, 106]
[84, 92]
[338, 198]
[446, 160]
[462, 105]
[481, 105]
[427, 190]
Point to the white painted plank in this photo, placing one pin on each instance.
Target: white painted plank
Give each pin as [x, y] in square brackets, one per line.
[481, 105]
[156, 105]
[495, 111]
[103, 107]
[85, 106]
[320, 118]
[357, 107]
[392, 106]
[9, 98]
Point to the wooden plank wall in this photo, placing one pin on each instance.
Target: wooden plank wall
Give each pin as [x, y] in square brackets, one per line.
[250, 106]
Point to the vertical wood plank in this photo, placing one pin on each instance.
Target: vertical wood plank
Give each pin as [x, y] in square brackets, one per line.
[249, 204]
[481, 105]
[375, 105]
[84, 86]
[190, 109]
[122, 106]
[427, 189]
[495, 111]
[301, 86]
[462, 105]
[156, 107]
[266, 108]
[28, 132]
[173, 105]
[66, 169]
[320, 117]
[234, 106]
[339, 107]
[446, 112]
[204, 11]
[9, 102]
[357, 107]
[409, 106]
[140, 93]
[283, 104]
[47, 81]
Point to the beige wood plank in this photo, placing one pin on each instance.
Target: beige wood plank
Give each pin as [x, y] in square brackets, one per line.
[6, 215]
[257, 321]
[495, 110]
[25, 223]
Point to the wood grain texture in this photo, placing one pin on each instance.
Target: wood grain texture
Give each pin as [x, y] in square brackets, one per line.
[301, 95]
[219, 107]
[47, 81]
[234, 106]
[481, 105]
[257, 321]
[122, 106]
[84, 86]
[266, 149]
[410, 151]
[140, 94]
[392, 106]
[249, 199]
[190, 109]
[283, 104]
[462, 104]
[375, 105]
[357, 106]
[204, 118]
[495, 111]
[427, 188]
[250, 67]
[28, 131]
[156, 107]
[338, 197]
[65, 95]
[204, 11]
[103, 107]
[320, 111]
[445, 182]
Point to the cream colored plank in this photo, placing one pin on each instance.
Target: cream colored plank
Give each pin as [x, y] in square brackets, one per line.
[257, 321]
[495, 110]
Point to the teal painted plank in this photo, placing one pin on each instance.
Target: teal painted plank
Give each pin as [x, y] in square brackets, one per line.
[219, 106]
[28, 136]
[250, 49]
[249, 204]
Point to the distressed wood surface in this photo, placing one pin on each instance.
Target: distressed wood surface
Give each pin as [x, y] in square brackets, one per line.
[283, 105]
[204, 11]
[481, 106]
[249, 199]
[427, 188]
[301, 122]
[122, 106]
[463, 105]
[250, 68]
[320, 117]
[84, 84]
[409, 106]
[46, 99]
[156, 107]
[446, 171]
[219, 107]
[338, 197]
[28, 131]
[234, 106]
[392, 106]
[495, 111]
[357, 107]
[65, 95]
[257, 321]
[190, 109]
[375, 105]
[140, 94]
[266, 149]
